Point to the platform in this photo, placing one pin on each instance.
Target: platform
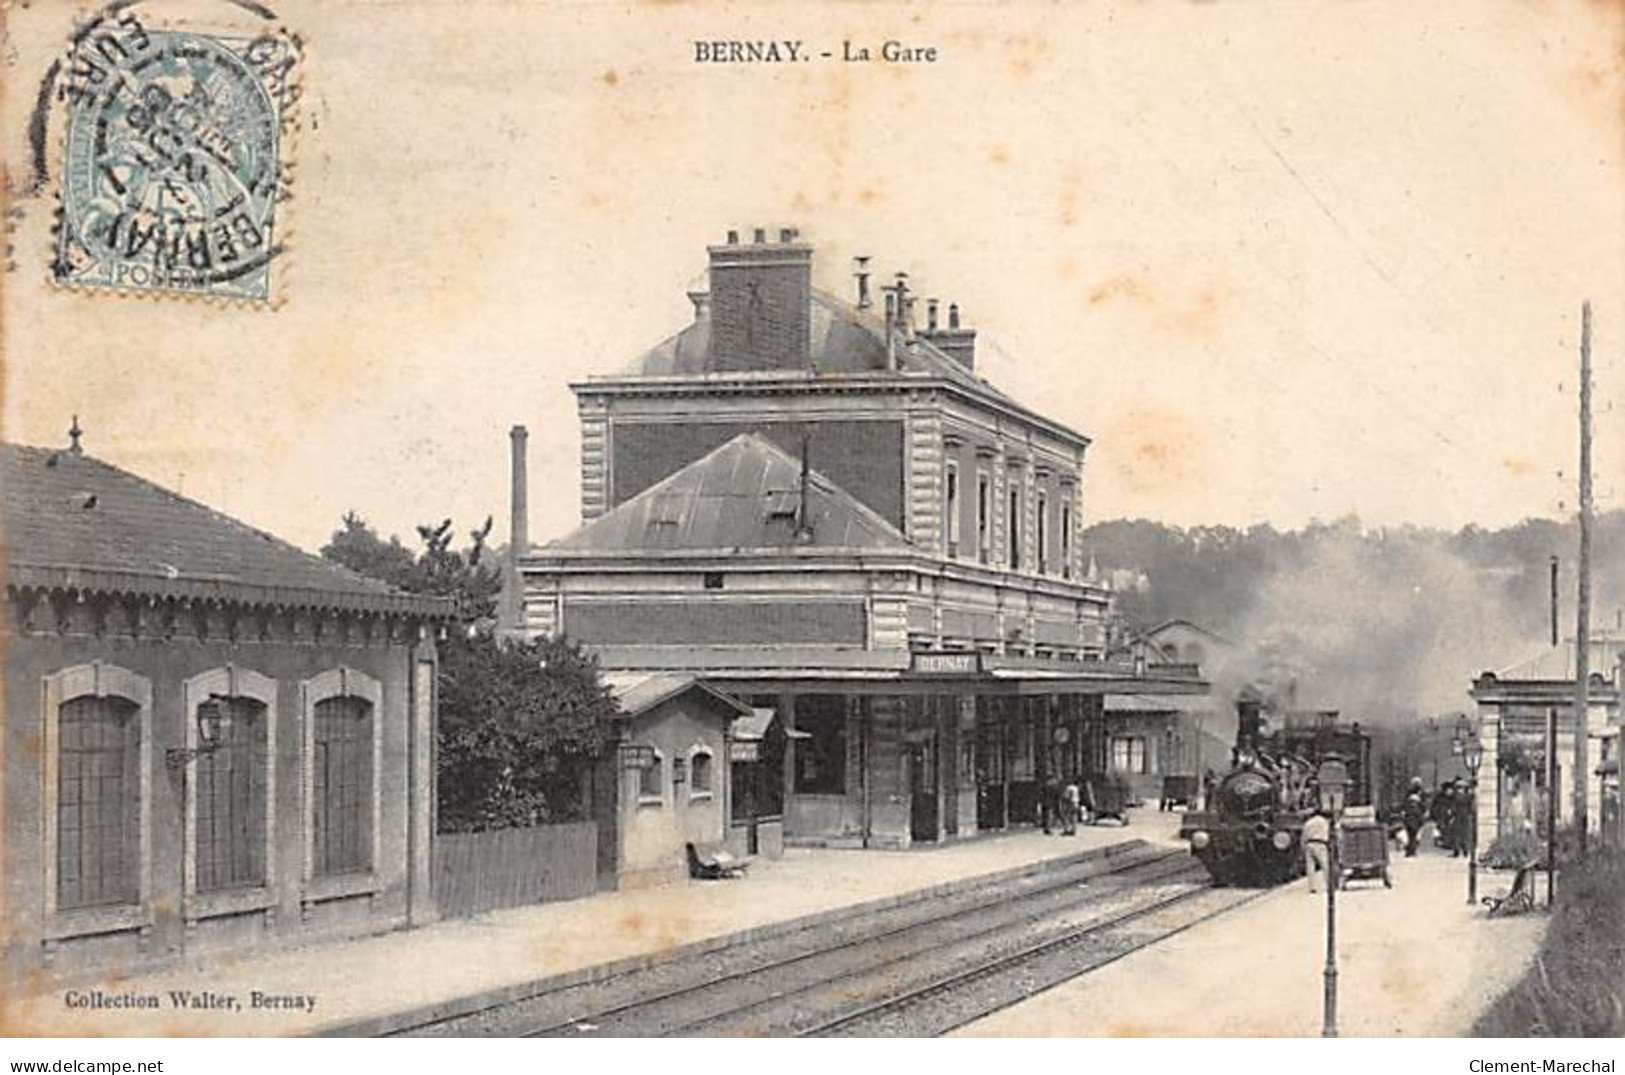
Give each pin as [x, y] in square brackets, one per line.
[370, 985]
[1413, 961]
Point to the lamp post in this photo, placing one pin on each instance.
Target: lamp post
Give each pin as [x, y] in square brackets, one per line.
[1471, 749]
[1333, 779]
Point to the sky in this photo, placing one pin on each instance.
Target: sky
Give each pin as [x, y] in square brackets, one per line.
[1282, 262]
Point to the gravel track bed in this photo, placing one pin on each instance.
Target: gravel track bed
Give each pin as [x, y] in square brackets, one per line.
[936, 1011]
[583, 1004]
[715, 1007]
[799, 1005]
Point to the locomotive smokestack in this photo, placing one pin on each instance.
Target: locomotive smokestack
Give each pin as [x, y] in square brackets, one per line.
[1249, 722]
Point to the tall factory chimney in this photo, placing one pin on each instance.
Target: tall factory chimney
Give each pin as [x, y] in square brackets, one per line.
[518, 526]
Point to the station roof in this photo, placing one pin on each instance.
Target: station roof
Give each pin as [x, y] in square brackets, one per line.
[744, 495]
[73, 520]
[843, 339]
[639, 692]
[1557, 662]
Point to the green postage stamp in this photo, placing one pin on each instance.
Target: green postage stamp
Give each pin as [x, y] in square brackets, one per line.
[173, 172]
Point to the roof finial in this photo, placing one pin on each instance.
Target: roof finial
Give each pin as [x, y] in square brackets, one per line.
[74, 433]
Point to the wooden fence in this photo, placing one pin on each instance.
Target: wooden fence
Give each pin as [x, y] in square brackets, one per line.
[475, 872]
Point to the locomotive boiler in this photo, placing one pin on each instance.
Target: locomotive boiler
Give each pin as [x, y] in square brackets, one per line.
[1250, 829]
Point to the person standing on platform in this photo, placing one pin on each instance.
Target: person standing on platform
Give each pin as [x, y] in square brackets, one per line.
[1413, 815]
[1317, 849]
[1069, 808]
[1049, 796]
[1461, 820]
[1439, 812]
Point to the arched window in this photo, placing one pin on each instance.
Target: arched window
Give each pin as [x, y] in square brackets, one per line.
[231, 793]
[98, 797]
[98, 763]
[342, 753]
[651, 787]
[701, 775]
[231, 802]
[341, 776]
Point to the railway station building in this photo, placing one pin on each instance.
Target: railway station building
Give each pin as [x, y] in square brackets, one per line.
[213, 741]
[1513, 708]
[818, 508]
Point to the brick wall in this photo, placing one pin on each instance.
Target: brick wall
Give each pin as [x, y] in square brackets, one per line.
[714, 622]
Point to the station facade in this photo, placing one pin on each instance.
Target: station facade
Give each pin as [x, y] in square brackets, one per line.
[820, 509]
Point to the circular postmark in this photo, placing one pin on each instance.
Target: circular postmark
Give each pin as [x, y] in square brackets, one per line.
[171, 177]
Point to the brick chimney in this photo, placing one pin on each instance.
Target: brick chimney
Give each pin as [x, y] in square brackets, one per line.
[513, 600]
[761, 299]
[957, 343]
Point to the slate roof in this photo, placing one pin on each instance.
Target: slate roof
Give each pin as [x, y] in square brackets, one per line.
[72, 520]
[743, 495]
[1555, 663]
[843, 339]
[638, 692]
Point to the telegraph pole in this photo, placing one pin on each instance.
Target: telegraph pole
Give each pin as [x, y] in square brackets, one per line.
[1551, 767]
[1582, 633]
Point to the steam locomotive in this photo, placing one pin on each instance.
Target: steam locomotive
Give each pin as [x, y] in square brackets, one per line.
[1250, 830]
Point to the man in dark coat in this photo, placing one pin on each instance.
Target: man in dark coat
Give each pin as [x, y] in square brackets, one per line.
[1413, 814]
[1443, 815]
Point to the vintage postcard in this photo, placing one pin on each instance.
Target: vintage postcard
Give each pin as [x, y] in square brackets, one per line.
[852, 520]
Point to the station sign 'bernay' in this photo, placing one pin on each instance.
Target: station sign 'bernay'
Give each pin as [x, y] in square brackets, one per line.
[948, 664]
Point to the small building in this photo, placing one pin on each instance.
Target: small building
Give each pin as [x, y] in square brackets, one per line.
[676, 784]
[213, 741]
[1152, 736]
[1513, 708]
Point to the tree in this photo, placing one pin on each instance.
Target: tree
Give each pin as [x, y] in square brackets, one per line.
[358, 547]
[521, 722]
[470, 578]
[520, 726]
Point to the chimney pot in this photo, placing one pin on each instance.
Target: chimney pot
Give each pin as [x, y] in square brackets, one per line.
[953, 315]
[761, 235]
[787, 235]
[930, 315]
[733, 237]
[862, 273]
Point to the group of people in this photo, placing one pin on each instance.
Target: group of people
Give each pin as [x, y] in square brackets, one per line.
[1450, 809]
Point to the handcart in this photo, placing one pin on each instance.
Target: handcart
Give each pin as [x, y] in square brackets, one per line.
[1362, 851]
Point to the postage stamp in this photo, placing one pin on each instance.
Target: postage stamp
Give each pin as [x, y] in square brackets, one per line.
[173, 173]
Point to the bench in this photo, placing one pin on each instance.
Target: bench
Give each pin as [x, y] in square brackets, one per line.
[713, 862]
[1520, 898]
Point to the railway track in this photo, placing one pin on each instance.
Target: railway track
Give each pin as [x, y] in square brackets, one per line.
[963, 996]
[901, 971]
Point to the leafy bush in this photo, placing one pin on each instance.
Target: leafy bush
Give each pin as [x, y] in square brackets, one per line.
[1575, 988]
[521, 724]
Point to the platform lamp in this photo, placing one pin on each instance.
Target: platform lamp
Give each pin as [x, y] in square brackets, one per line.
[1333, 780]
[213, 727]
[1470, 748]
